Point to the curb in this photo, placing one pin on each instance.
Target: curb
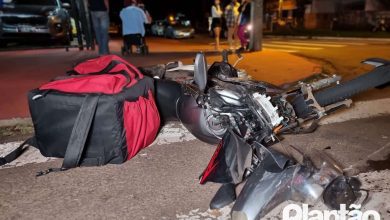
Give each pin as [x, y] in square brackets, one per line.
[15, 121]
[326, 38]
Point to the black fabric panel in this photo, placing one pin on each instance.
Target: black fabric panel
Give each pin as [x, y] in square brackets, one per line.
[231, 160]
[141, 88]
[54, 115]
[167, 95]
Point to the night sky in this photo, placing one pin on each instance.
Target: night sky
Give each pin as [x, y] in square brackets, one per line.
[194, 7]
[160, 8]
[196, 10]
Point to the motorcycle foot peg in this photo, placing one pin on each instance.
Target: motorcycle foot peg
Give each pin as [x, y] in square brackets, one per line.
[225, 195]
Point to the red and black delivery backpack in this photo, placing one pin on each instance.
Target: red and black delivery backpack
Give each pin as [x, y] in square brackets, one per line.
[102, 112]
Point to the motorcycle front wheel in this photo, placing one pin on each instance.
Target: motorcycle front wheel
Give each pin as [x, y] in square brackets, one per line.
[375, 78]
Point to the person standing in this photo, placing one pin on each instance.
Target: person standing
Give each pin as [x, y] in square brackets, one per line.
[133, 19]
[133, 26]
[101, 21]
[231, 16]
[216, 23]
[148, 25]
[244, 20]
[141, 5]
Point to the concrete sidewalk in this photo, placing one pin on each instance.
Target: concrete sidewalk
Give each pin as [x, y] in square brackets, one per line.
[22, 71]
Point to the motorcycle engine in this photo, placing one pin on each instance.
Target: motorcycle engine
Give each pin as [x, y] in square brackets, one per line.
[267, 109]
[248, 112]
[230, 96]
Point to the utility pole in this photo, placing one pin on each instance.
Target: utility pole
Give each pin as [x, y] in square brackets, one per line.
[256, 35]
[86, 24]
[76, 15]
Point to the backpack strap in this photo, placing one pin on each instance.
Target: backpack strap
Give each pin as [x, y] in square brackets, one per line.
[80, 132]
[17, 152]
[78, 136]
[111, 65]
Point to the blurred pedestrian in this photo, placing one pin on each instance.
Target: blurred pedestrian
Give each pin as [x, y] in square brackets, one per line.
[133, 19]
[216, 23]
[243, 22]
[231, 16]
[133, 25]
[141, 5]
[101, 23]
[148, 26]
[383, 24]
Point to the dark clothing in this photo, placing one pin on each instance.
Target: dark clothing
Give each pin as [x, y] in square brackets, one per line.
[245, 13]
[97, 5]
[133, 39]
[216, 22]
[101, 24]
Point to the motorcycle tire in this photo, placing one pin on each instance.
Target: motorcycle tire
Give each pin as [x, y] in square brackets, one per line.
[376, 78]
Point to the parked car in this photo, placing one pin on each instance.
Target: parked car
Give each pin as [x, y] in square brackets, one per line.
[20, 19]
[173, 27]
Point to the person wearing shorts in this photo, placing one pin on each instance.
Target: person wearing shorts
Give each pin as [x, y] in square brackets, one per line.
[231, 16]
[216, 23]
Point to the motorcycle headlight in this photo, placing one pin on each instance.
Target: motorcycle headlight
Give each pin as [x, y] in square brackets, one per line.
[311, 180]
[55, 19]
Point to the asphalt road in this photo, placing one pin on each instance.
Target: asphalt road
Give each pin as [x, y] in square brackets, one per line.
[337, 56]
[22, 70]
[162, 181]
[342, 55]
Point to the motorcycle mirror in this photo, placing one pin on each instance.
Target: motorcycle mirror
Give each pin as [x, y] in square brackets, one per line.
[238, 53]
[200, 71]
[225, 56]
[66, 5]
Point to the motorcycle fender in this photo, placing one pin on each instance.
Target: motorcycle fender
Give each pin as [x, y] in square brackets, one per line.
[229, 161]
[262, 192]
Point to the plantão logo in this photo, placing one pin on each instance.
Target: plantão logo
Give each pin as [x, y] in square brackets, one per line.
[296, 212]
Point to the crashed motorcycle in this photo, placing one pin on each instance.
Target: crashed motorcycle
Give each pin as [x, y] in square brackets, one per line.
[218, 104]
